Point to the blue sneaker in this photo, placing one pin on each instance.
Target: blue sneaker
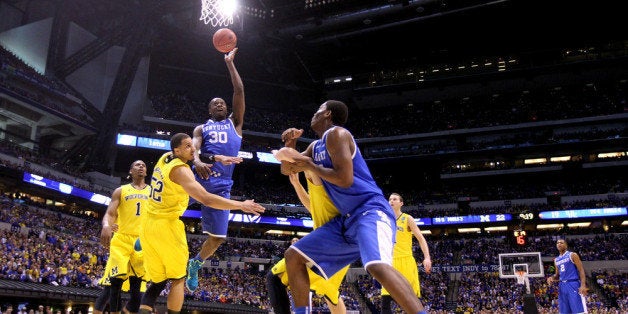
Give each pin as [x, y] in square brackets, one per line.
[191, 282]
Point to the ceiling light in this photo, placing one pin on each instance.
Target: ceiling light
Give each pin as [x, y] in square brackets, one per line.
[578, 224]
[549, 226]
[498, 228]
[469, 230]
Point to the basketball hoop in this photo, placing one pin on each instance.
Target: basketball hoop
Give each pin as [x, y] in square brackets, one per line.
[211, 13]
[521, 276]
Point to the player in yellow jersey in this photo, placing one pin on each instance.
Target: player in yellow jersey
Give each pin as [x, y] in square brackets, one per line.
[162, 234]
[122, 220]
[103, 299]
[322, 209]
[403, 260]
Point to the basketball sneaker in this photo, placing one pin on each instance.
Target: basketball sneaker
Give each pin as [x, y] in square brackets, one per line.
[191, 282]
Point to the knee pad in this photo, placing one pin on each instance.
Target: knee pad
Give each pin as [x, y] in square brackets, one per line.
[115, 300]
[278, 294]
[135, 284]
[103, 299]
[152, 293]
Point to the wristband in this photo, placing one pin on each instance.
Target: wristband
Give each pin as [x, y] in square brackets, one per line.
[208, 158]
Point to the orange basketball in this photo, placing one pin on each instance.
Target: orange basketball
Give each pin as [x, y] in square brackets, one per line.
[225, 40]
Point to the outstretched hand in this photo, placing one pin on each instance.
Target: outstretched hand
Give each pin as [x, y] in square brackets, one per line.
[290, 136]
[249, 206]
[228, 160]
[229, 56]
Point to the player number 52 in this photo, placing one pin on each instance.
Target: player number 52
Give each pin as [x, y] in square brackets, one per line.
[155, 192]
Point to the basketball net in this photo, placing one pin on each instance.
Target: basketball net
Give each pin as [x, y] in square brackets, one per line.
[521, 276]
[211, 13]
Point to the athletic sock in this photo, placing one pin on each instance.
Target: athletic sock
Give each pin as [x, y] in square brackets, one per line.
[302, 310]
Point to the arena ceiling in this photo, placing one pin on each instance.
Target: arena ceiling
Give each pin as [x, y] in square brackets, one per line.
[316, 39]
[332, 37]
[297, 44]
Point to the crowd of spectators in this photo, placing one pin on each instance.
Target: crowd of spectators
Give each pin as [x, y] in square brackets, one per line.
[19, 77]
[276, 189]
[614, 286]
[44, 246]
[32, 161]
[544, 104]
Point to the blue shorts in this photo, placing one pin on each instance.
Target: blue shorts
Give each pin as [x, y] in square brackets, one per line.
[368, 235]
[215, 222]
[569, 300]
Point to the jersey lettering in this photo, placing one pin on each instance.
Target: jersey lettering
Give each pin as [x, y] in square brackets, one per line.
[155, 192]
[217, 137]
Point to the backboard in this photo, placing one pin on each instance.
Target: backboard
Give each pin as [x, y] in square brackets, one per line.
[509, 263]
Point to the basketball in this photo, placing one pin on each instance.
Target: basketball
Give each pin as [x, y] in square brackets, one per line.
[225, 40]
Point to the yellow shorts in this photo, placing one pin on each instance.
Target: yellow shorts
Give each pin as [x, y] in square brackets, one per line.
[124, 260]
[126, 286]
[104, 280]
[165, 248]
[408, 268]
[328, 288]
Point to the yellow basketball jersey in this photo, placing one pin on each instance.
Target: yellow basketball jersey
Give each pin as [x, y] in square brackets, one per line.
[133, 202]
[323, 209]
[168, 199]
[403, 246]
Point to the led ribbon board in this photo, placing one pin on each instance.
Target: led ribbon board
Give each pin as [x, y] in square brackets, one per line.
[65, 188]
[584, 213]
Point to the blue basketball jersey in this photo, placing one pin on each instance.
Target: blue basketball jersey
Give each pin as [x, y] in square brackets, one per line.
[566, 268]
[221, 138]
[569, 299]
[363, 194]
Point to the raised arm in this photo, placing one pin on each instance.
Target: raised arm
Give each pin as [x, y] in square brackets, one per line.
[340, 146]
[427, 261]
[288, 157]
[237, 104]
[290, 136]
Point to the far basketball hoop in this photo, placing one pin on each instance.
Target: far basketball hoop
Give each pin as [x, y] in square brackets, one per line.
[522, 266]
[521, 277]
[217, 12]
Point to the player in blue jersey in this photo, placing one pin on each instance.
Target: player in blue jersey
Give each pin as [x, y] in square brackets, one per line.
[572, 284]
[217, 144]
[365, 228]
